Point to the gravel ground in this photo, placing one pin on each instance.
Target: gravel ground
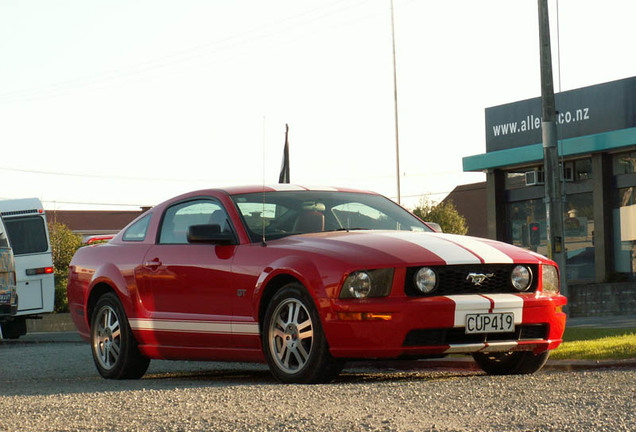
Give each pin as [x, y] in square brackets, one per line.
[55, 387]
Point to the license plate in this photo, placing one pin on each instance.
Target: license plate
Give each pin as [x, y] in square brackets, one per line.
[490, 323]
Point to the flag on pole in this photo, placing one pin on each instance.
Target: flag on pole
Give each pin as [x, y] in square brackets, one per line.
[284, 168]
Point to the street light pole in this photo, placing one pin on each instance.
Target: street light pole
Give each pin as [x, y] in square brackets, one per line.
[553, 198]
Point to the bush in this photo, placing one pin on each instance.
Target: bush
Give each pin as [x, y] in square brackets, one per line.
[64, 243]
[444, 213]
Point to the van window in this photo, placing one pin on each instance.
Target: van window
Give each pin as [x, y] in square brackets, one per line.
[27, 234]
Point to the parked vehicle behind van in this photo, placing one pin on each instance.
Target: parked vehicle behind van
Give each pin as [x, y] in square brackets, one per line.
[8, 295]
[28, 234]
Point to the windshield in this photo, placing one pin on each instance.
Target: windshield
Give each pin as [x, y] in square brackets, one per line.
[279, 214]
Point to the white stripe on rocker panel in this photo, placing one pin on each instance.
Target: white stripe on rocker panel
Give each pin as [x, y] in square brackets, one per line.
[194, 326]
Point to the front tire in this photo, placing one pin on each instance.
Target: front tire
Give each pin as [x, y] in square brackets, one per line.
[511, 363]
[293, 341]
[113, 345]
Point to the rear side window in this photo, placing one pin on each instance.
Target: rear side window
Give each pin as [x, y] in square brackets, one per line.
[138, 230]
[27, 234]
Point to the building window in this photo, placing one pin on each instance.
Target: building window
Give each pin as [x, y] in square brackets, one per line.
[582, 169]
[578, 229]
[527, 229]
[516, 179]
[579, 170]
[625, 232]
[527, 226]
[624, 163]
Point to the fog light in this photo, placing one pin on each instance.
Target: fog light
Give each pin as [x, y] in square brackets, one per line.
[521, 278]
[425, 280]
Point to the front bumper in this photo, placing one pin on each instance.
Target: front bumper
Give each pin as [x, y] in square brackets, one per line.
[423, 327]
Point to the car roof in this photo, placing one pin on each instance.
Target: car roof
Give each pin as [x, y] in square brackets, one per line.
[282, 187]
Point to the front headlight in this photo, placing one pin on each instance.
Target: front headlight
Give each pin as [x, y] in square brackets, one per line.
[550, 279]
[367, 283]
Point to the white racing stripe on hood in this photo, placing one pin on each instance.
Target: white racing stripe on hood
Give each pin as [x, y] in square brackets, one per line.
[446, 250]
[488, 253]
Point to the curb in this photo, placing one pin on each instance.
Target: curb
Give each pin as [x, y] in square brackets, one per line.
[53, 322]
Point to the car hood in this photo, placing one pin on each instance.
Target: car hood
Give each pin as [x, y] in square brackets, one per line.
[379, 248]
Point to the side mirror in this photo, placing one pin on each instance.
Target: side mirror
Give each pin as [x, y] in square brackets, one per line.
[209, 234]
[435, 226]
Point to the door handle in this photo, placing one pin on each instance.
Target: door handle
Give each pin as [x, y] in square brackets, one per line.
[153, 264]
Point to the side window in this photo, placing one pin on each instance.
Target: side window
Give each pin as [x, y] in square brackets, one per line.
[138, 230]
[179, 217]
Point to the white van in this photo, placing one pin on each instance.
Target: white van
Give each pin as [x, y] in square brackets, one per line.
[26, 226]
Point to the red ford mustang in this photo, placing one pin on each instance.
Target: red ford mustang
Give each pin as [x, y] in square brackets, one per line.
[307, 279]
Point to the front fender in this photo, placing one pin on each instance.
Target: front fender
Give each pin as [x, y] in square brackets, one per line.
[319, 284]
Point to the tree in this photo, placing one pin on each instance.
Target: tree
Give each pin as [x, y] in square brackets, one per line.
[445, 214]
[64, 243]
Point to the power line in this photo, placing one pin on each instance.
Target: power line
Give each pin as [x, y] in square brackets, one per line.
[100, 176]
[187, 55]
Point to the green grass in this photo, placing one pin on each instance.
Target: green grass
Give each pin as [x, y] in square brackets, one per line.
[596, 344]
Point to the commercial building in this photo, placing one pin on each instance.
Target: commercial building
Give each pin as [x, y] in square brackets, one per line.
[596, 130]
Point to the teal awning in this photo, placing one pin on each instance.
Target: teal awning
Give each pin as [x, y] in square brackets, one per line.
[534, 153]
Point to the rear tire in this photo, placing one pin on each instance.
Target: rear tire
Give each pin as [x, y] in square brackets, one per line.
[511, 363]
[113, 345]
[293, 341]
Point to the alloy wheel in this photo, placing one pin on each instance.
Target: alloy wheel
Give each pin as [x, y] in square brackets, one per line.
[107, 340]
[291, 335]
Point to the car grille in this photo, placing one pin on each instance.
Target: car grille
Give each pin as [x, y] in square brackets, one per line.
[453, 279]
[452, 336]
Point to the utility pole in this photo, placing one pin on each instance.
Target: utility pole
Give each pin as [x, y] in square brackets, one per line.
[395, 105]
[553, 198]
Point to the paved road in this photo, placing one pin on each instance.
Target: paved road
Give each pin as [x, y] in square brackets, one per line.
[49, 383]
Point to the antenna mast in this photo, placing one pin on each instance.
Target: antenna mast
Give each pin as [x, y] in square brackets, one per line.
[395, 104]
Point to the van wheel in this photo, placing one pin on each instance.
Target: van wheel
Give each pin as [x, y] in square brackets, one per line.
[114, 347]
[293, 341]
[14, 329]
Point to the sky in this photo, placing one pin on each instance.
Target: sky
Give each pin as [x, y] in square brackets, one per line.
[122, 104]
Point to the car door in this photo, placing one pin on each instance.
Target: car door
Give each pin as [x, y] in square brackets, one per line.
[189, 295]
